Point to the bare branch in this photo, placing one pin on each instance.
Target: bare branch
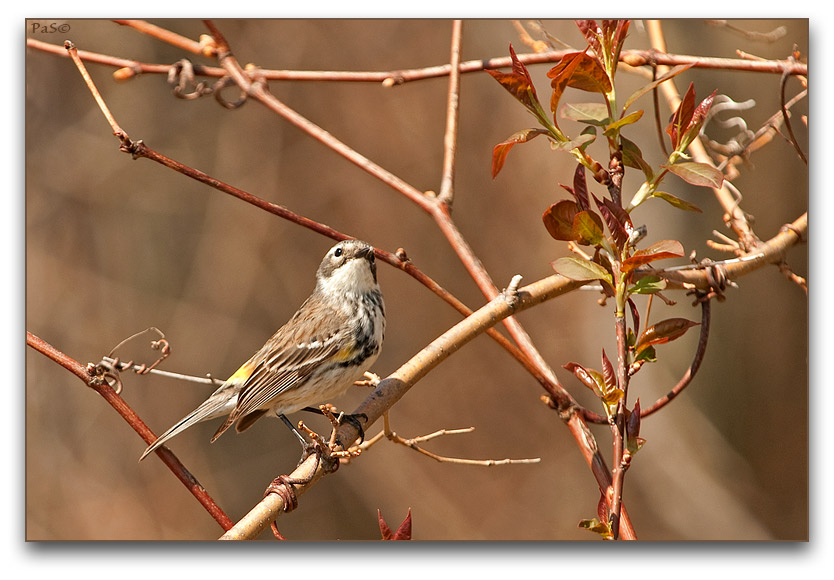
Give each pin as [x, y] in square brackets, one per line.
[103, 389]
[447, 181]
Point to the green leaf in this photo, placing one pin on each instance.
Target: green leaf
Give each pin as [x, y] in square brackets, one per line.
[701, 174]
[601, 528]
[646, 354]
[645, 192]
[648, 285]
[645, 89]
[589, 113]
[577, 269]
[676, 201]
[611, 129]
[633, 157]
[581, 141]
[587, 228]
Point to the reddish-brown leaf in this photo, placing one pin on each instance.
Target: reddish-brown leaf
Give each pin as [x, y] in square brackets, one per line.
[700, 114]
[602, 508]
[620, 35]
[500, 151]
[616, 218]
[403, 532]
[658, 251]
[560, 80]
[580, 187]
[558, 219]
[635, 315]
[588, 74]
[664, 331]
[608, 372]
[591, 31]
[590, 378]
[681, 117]
[633, 422]
[518, 82]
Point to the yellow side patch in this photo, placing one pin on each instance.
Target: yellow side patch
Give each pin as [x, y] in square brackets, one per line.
[345, 354]
[242, 373]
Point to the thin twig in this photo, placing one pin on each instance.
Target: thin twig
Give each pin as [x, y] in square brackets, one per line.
[447, 181]
[635, 58]
[413, 443]
[783, 81]
[163, 34]
[109, 395]
[73, 52]
[693, 367]
[128, 365]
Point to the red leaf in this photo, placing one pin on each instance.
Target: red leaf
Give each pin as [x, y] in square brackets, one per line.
[500, 151]
[403, 532]
[682, 116]
[591, 32]
[602, 508]
[588, 74]
[586, 377]
[633, 422]
[658, 251]
[617, 220]
[566, 67]
[558, 219]
[620, 35]
[580, 187]
[608, 372]
[700, 114]
[664, 331]
[518, 82]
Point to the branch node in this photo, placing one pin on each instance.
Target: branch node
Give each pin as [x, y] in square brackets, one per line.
[511, 292]
[401, 255]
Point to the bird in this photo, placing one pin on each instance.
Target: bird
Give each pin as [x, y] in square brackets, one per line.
[329, 343]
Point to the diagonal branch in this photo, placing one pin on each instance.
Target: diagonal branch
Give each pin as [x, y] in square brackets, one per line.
[99, 385]
[396, 385]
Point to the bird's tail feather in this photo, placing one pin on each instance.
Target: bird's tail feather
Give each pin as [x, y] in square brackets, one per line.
[220, 403]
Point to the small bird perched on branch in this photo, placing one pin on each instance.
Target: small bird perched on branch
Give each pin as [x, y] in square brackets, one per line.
[333, 338]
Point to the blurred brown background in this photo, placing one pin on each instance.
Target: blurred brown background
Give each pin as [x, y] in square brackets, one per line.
[114, 246]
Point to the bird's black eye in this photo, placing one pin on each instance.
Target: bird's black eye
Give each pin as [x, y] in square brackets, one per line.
[338, 252]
